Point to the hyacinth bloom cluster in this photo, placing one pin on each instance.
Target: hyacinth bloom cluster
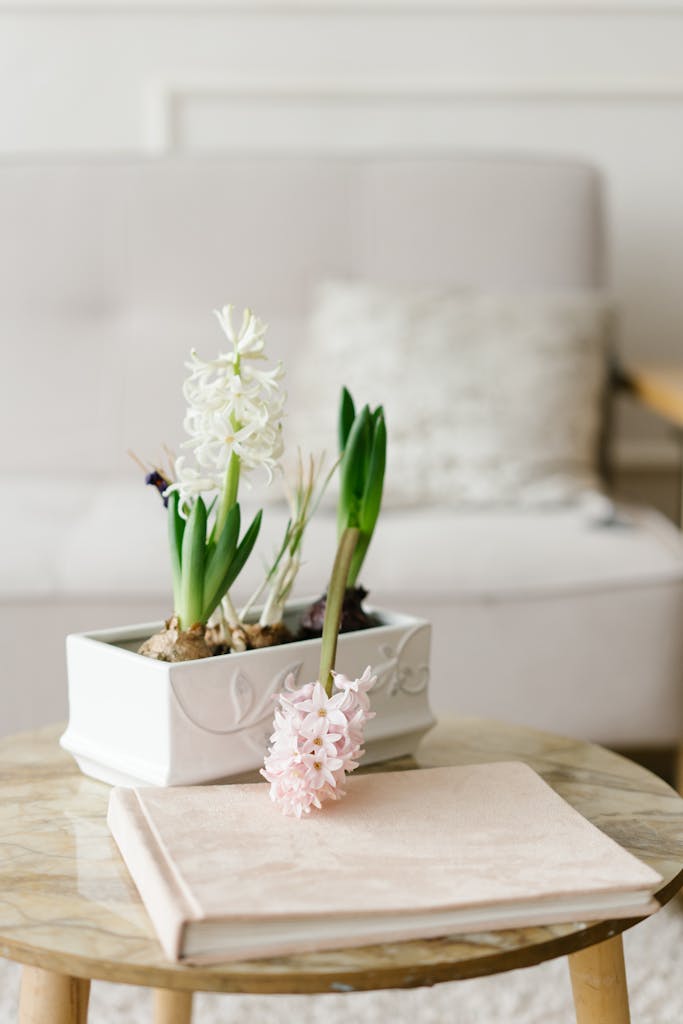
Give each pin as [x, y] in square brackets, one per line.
[234, 423]
[317, 741]
[234, 409]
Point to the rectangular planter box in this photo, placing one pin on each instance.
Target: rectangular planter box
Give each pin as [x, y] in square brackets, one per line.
[135, 721]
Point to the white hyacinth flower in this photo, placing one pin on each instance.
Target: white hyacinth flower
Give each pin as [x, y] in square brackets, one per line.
[233, 410]
[249, 340]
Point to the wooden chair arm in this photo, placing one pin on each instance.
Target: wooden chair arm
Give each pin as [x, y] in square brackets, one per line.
[659, 388]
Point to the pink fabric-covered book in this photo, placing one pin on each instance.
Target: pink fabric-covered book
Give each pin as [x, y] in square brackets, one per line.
[415, 854]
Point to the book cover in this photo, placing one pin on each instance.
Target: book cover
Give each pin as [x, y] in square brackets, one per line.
[415, 854]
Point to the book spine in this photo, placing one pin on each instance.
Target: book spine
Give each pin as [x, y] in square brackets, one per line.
[158, 889]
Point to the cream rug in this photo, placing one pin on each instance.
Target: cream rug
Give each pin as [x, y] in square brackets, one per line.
[538, 995]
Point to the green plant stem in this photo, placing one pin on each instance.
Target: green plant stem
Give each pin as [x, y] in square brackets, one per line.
[358, 558]
[232, 473]
[335, 602]
[229, 496]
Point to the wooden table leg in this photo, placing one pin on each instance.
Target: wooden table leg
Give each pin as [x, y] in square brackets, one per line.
[172, 1007]
[599, 983]
[56, 998]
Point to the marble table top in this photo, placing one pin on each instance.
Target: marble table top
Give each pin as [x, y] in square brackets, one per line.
[68, 904]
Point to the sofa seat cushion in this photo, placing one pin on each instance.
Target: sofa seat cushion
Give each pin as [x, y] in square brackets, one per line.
[508, 554]
[78, 537]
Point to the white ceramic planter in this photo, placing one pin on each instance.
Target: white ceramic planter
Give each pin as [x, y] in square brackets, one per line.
[136, 721]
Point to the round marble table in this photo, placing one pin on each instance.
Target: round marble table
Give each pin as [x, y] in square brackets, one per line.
[70, 913]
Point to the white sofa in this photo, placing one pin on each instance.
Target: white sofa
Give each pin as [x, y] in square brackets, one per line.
[108, 272]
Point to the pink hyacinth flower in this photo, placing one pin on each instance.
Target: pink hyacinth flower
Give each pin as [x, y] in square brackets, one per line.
[316, 741]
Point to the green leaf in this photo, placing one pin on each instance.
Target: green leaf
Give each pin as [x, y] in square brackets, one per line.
[374, 482]
[245, 548]
[176, 528]
[372, 496]
[351, 471]
[363, 440]
[220, 556]
[192, 567]
[347, 414]
[367, 449]
[237, 563]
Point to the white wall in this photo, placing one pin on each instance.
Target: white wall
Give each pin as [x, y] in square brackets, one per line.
[599, 79]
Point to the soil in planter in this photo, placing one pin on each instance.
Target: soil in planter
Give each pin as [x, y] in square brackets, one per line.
[174, 644]
[353, 616]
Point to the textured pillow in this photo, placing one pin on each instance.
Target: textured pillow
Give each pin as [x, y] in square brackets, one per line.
[490, 398]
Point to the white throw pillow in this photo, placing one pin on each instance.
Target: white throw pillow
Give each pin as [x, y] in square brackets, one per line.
[490, 398]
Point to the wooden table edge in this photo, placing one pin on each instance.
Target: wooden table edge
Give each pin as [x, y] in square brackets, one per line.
[283, 982]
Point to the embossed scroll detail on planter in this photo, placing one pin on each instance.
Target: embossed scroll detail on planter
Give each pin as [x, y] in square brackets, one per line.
[398, 674]
[233, 706]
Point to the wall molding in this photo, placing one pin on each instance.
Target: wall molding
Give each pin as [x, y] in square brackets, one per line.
[163, 97]
[535, 8]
